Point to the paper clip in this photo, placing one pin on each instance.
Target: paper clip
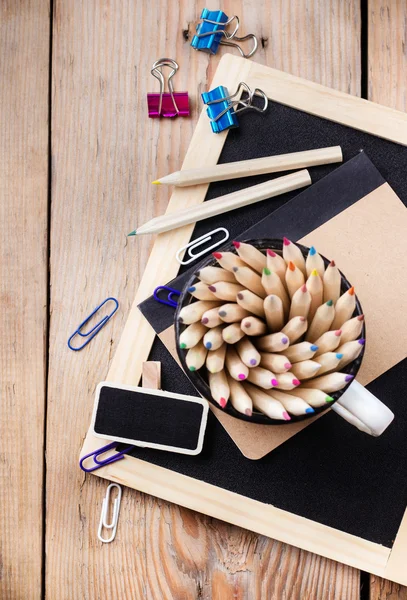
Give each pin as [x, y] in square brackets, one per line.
[211, 29]
[222, 108]
[95, 330]
[167, 104]
[199, 242]
[115, 513]
[169, 301]
[107, 461]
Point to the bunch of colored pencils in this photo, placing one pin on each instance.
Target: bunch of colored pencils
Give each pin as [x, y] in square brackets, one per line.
[272, 330]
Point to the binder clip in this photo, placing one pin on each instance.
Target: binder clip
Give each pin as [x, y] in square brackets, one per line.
[167, 104]
[211, 29]
[222, 108]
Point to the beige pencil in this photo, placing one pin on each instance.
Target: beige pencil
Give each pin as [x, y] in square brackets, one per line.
[344, 308]
[328, 342]
[254, 259]
[215, 361]
[233, 333]
[192, 335]
[213, 339]
[239, 398]
[249, 280]
[274, 312]
[265, 404]
[225, 290]
[292, 253]
[352, 329]
[196, 357]
[237, 369]
[278, 363]
[248, 353]
[315, 398]
[218, 206]
[219, 387]
[300, 351]
[201, 291]
[211, 318]
[321, 322]
[316, 289]
[350, 351]
[293, 404]
[329, 383]
[295, 328]
[274, 342]
[314, 261]
[230, 313]
[251, 302]
[253, 326]
[294, 278]
[272, 284]
[332, 283]
[300, 303]
[329, 362]
[253, 166]
[193, 312]
[305, 369]
[276, 263]
[262, 377]
[211, 275]
[287, 381]
[228, 260]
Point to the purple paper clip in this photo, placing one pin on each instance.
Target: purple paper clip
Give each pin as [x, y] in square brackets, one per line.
[169, 301]
[167, 104]
[107, 461]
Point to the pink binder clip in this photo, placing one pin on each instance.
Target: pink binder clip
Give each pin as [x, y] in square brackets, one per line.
[167, 104]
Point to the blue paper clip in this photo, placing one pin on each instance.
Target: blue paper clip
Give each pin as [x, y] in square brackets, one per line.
[107, 461]
[95, 330]
[211, 30]
[222, 108]
[169, 301]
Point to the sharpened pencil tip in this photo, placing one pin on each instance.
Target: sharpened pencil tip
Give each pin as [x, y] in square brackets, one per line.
[217, 255]
[349, 378]
[330, 302]
[309, 410]
[271, 253]
[338, 332]
[286, 416]
[274, 382]
[222, 402]
[157, 182]
[132, 233]
[266, 271]
[314, 272]
[351, 291]
[314, 348]
[339, 355]
[248, 412]
[236, 244]
[296, 382]
[304, 288]
[332, 263]
[312, 251]
[286, 241]
[360, 317]
[329, 399]
[291, 266]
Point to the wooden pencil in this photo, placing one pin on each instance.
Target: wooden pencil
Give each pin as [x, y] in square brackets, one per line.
[329, 362]
[278, 363]
[228, 260]
[239, 398]
[254, 259]
[248, 353]
[251, 302]
[253, 166]
[192, 335]
[274, 342]
[273, 285]
[314, 261]
[231, 312]
[300, 351]
[295, 328]
[321, 322]
[265, 404]
[274, 312]
[215, 361]
[300, 303]
[350, 351]
[328, 342]
[193, 312]
[219, 386]
[211, 275]
[249, 280]
[262, 377]
[223, 204]
[196, 356]
[253, 326]
[213, 339]
[314, 397]
[294, 278]
[225, 290]
[276, 263]
[332, 283]
[292, 253]
[329, 383]
[236, 368]
[316, 289]
[233, 333]
[200, 291]
[294, 405]
[287, 381]
[211, 317]
[344, 308]
[352, 329]
[305, 369]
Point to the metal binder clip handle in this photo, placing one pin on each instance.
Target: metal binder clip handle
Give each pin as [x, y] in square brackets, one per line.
[156, 71]
[115, 514]
[240, 104]
[230, 35]
[199, 242]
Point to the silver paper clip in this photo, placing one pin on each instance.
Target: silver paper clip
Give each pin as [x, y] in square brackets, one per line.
[199, 242]
[105, 511]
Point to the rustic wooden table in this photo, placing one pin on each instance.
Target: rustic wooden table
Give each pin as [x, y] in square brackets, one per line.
[77, 158]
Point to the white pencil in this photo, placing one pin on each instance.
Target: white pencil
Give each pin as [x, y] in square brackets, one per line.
[200, 291]
[314, 261]
[250, 280]
[273, 285]
[251, 302]
[344, 308]
[211, 318]
[321, 322]
[293, 404]
[316, 289]
[262, 377]
[300, 303]
[230, 313]
[213, 339]
[253, 326]
[196, 357]
[219, 386]
[332, 283]
[352, 329]
[228, 260]
[294, 279]
[276, 263]
[232, 333]
[224, 290]
[300, 351]
[278, 363]
[239, 398]
[193, 312]
[254, 259]
[287, 381]
[274, 312]
[237, 369]
[295, 328]
[292, 253]
[315, 398]
[329, 362]
[274, 342]
[192, 335]
[328, 342]
[350, 351]
[305, 369]
[215, 361]
[211, 275]
[248, 353]
[329, 383]
[265, 404]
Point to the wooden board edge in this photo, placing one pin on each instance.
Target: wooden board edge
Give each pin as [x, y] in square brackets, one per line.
[396, 566]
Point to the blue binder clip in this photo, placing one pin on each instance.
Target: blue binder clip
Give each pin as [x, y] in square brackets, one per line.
[211, 30]
[222, 108]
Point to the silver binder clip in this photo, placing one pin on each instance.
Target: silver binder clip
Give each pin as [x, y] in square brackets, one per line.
[105, 511]
[199, 242]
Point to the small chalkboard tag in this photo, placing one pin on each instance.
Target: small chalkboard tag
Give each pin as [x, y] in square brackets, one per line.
[150, 418]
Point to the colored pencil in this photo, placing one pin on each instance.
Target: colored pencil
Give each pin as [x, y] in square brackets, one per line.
[329, 362]
[278, 363]
[196, 356]
[214, 274]
[248, 353]
[262, 377]
[236, 368]
[321, 322]
[223, 204]
[211, 317]
[219, 386]
[276, 263]
[314, 397]
[228, 260]
[233, 333]
[294, 278]
[287, 381]
[274, 342]
[215, 361]
[300, 303]
[295, 328]
[265, 404]
[273, 285]
[350, 351]
[329, 383]
[305, 369]
[192, 335]
[300, 351]
[328, 342]
[253, 166]
[254, 259]
[251, 302]
[314, 261]
[332, 283]
[352, 329]
[230, 313]
[253, 326]
[193, 312]
[225, 290]
[213, 339]
[316, 289]
[250, 280]
[292, 253]
[239, 398]
[200, 291]
[344, 308]
[274, 312]
[293, 404]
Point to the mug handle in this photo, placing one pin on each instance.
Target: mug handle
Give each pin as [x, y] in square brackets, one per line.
[363, 410]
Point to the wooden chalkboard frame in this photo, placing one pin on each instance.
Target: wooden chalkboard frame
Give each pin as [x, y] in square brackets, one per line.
[126, 367]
